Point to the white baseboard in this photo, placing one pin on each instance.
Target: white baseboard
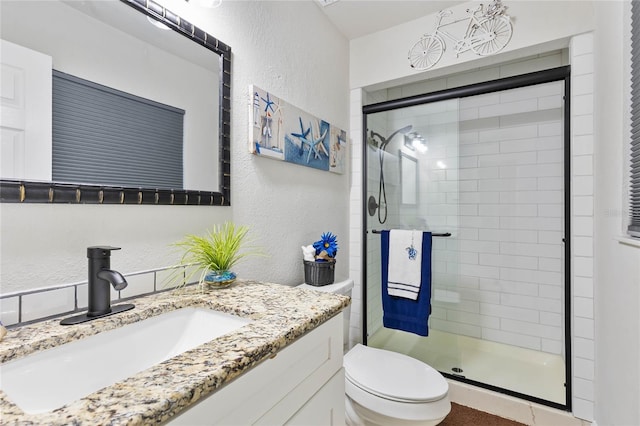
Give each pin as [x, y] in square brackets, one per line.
[510, 407]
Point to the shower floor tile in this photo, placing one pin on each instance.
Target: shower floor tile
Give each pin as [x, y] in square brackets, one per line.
[529, 372]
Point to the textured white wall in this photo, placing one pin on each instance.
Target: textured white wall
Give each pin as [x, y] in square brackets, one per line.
[381, 58]
[616, 265]
[288, 48]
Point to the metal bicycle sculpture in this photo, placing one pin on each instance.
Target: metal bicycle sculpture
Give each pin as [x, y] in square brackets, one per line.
[488, 31]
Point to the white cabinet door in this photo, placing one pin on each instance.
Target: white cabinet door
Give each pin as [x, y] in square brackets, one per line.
[326, 408]
[25, 114]
[274, 391]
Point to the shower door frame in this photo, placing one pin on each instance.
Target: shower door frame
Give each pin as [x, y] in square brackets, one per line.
[523, 80]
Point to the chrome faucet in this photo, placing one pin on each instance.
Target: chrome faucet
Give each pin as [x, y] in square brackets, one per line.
[100, 276]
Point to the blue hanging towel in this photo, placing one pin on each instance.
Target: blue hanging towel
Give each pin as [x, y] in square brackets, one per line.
[402, 313]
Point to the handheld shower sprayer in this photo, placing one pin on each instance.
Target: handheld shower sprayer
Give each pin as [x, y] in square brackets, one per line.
[372, 205]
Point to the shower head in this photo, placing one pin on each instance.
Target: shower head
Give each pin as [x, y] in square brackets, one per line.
[372, 205]
[385, 141]
[405, 129]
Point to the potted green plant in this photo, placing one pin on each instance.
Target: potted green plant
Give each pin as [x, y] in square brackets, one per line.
[215, 254]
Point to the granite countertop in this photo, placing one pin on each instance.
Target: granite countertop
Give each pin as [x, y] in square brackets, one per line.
[280, 315]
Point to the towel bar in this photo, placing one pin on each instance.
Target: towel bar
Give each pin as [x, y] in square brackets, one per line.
[434, 234]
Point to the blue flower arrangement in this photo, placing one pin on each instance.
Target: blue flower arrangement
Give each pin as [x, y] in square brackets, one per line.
[326, 248]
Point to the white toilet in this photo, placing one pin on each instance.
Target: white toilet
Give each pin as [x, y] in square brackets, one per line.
[387, 388]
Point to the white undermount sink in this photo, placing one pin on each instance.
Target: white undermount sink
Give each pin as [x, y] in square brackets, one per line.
[52, 378]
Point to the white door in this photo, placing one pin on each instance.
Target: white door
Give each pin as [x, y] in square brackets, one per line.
[25, 116]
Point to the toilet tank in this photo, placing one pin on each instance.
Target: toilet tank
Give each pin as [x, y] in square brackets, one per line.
[342, 287]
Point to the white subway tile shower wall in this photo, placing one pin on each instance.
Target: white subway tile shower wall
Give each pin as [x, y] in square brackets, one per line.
[515, 142]
[500, 277]
[582, 83]
[355, 217]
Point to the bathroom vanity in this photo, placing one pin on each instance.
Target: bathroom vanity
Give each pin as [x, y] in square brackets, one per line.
[284, 366]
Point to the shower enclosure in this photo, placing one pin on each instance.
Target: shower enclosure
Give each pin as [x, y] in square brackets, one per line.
[485, 169]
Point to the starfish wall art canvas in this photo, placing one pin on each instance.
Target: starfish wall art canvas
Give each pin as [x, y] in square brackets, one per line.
[283, 132]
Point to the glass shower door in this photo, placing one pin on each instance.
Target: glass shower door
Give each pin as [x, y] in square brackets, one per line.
[412, 176]
[489, 170]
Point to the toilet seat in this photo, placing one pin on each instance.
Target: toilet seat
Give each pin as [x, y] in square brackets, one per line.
[409, 381]
[388, 388]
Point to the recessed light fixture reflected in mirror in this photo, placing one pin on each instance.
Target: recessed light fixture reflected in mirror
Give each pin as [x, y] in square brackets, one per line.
[415, 142]
[208, 3]
[157, 24]
[441, 164]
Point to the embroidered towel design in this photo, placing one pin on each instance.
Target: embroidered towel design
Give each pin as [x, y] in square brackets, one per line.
[405, 263]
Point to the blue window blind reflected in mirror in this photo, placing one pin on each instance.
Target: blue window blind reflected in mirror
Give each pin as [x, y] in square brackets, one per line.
[634, 179]
[105, 136]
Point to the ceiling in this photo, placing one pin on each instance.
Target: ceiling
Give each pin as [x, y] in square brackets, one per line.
[356, 18]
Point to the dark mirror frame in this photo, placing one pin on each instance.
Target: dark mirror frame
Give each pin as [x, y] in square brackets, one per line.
[24, 191]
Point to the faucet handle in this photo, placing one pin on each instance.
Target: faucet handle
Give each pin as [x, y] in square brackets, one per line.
[100, 252]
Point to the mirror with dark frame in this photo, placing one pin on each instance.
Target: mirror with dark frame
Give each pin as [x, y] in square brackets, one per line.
[176, 59]
[408, 179]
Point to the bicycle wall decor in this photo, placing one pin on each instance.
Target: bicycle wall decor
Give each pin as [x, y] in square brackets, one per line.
[487, 32]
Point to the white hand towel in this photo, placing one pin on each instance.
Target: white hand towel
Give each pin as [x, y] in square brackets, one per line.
[405, 263]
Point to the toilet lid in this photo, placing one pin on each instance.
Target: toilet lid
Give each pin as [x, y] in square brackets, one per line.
[393, 376]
